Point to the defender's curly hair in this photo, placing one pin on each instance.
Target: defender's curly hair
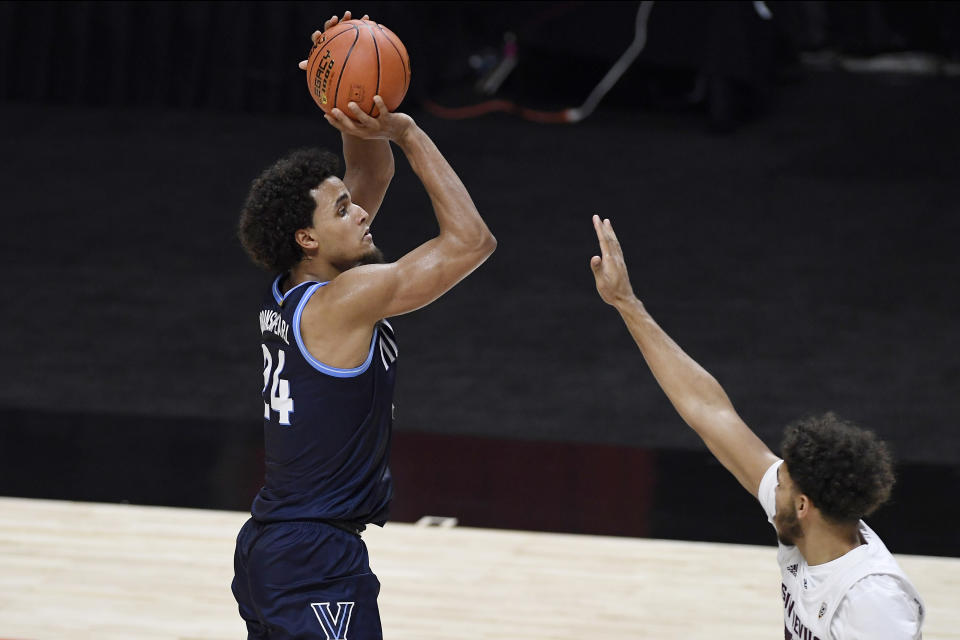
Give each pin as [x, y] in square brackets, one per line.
[846, 471]
[279, 203]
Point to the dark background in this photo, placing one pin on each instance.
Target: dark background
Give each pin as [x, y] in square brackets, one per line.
[789, 219]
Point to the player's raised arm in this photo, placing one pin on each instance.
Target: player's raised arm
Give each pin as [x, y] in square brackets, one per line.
[694, 393]
[464, 242]
[369, 170]
[368, 163]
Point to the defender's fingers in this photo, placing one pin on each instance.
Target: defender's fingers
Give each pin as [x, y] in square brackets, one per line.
[595, 263]
[601, 237]
[612, 242]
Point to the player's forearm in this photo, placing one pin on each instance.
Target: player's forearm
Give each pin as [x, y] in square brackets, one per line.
[694, 393]
[369, 170]
[456, 213]
[371, 158]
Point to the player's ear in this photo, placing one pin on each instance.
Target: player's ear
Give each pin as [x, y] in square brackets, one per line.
[803, 505]
[306, 238]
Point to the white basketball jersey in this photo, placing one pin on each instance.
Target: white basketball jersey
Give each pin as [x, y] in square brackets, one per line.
[812, 596]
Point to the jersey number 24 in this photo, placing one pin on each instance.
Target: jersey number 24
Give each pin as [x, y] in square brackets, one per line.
[280, 400]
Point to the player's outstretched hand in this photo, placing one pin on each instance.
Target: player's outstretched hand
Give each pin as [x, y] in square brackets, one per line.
[609, 268]
[326, 25]
[390, 126]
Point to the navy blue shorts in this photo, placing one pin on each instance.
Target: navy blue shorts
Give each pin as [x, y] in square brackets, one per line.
[305, 579]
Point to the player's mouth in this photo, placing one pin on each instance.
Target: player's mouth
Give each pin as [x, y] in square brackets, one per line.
[367, 235]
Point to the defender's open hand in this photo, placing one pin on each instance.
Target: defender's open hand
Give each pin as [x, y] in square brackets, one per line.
[609, 268]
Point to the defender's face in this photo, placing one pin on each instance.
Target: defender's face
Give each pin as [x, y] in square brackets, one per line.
[343, 233]
[785, 519]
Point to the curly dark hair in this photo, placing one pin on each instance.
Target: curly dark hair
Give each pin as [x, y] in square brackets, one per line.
[846, 471]
[279, 203]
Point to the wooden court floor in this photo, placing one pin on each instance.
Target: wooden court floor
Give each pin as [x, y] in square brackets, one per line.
[105, 571]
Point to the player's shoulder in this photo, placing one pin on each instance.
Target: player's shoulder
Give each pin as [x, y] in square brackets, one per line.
[353, 299]
[356, 293]
[881, 605]
[878, 587]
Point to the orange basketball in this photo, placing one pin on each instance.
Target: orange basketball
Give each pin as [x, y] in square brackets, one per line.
[354, 61]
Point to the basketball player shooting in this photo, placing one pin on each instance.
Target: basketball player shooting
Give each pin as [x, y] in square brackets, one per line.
[839, 581]
[329, 367]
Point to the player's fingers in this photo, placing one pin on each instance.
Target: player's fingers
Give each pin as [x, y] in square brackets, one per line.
[595, 262]
[329, 23]
[332, 120]
[340, 126]
[316, 34]
[365, 17]
[359, 115]
[380, 105]
[341, 117]
[303, 65]
[342, 121]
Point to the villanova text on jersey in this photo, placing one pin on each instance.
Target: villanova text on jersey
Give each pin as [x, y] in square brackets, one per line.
[326, 430]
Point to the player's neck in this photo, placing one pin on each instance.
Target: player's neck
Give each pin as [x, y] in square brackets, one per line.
[310, 271]
[825, 542]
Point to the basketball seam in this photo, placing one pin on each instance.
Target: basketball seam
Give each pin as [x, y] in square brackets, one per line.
[376, 48]
[406, 80]
[343, 67]
[316, 58]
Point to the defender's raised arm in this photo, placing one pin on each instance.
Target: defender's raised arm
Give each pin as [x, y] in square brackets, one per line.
[694, 393]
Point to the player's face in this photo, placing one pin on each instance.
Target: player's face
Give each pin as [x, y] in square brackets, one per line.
[785, 518]
[342, 227]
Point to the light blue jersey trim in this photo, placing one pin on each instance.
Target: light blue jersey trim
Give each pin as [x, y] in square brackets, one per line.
[316, 364]
[280, 297]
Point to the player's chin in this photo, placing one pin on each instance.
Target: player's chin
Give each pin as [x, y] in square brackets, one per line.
[372, 256]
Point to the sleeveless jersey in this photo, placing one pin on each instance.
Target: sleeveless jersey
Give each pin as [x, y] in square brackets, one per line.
[326, 430]
[809, 606]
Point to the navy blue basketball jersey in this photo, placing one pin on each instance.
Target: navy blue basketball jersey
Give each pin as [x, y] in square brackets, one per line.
[326, 430]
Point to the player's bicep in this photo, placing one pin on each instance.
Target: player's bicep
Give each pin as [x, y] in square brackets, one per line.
[432, 269]
[371, 292]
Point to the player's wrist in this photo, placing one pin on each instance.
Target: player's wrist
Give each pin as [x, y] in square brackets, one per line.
[627, 302]
[406, 135]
